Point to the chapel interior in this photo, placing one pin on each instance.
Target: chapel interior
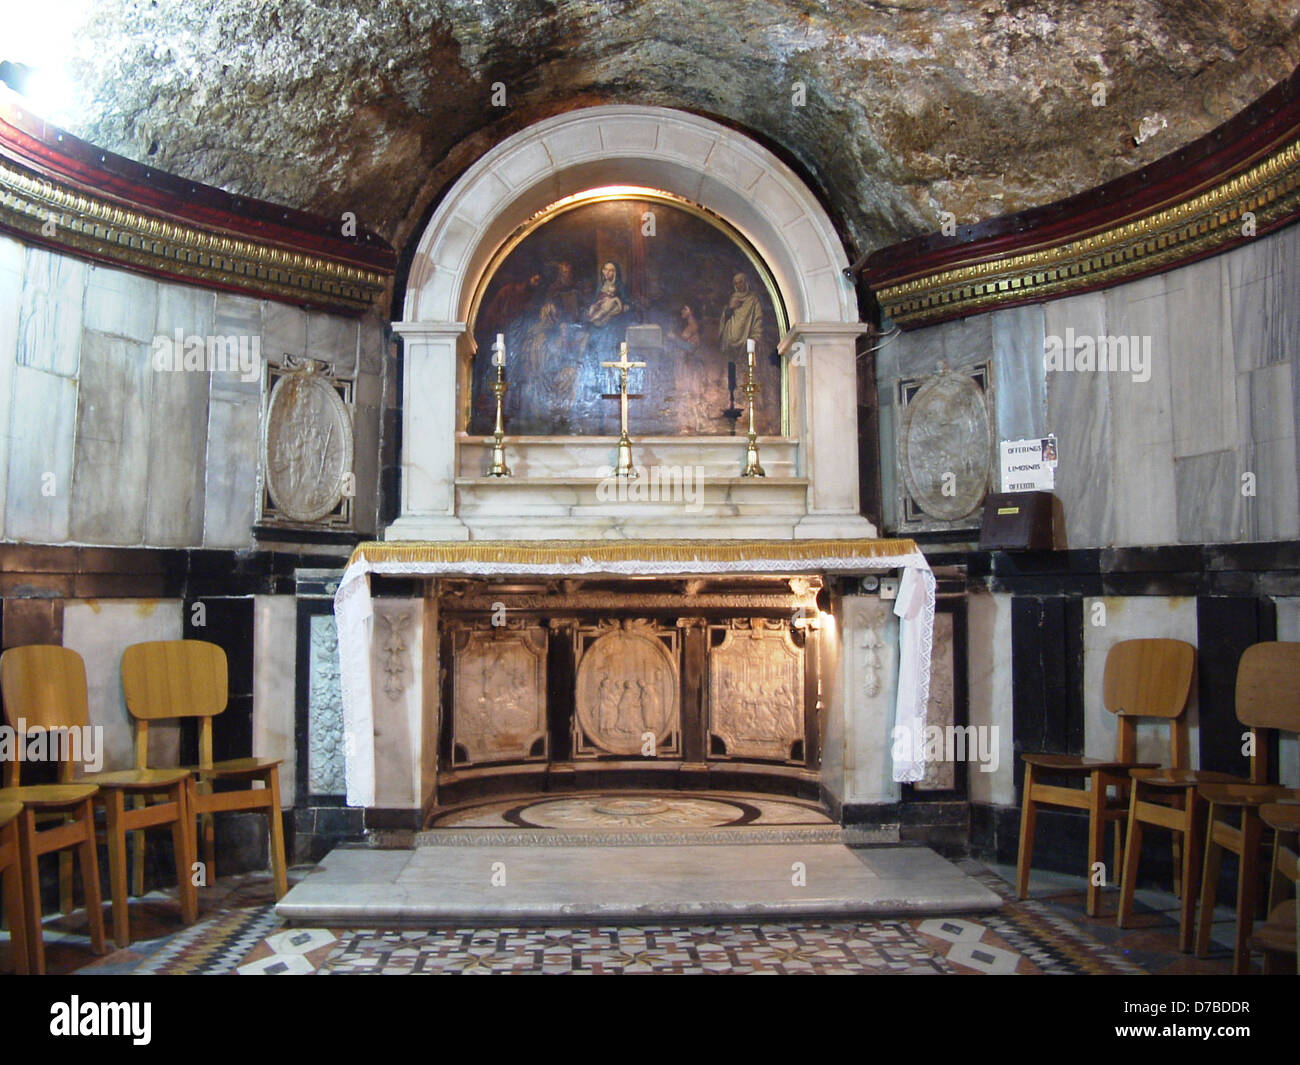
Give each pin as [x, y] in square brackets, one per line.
[552, 403]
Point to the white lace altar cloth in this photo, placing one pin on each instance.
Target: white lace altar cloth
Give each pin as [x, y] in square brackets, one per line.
[622, 558]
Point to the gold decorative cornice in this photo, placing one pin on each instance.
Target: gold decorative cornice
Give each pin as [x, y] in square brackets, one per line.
[52, 214]
[1160, 239]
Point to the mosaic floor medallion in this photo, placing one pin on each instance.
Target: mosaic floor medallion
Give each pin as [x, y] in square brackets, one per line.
[650, 812]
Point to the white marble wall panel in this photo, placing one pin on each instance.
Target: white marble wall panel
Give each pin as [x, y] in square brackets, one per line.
[230, 487]
[1211, 508]
[13, 258]
[284, 332]
[1130, 618]
[275, 643]
[1263, 277]
[989, 679]
[38, 499]
[177, 442]
[869, 679]
[49, 319]
[1288, 754]
[1078, 412]
[333, 340]
[99, 631]
[1019, 383]
[1142, 468]
[1200, 356]
[238, 317]
[397, 680]
[110, 478]
[122, 304]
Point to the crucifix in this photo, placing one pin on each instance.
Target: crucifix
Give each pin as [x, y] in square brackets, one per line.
[624, 467]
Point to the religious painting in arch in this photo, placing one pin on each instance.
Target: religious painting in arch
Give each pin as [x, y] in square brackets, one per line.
[673, 281]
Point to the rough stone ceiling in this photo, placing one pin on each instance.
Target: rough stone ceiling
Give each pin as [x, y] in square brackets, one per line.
[913, 107]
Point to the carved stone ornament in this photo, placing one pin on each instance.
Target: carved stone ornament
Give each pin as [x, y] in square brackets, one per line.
[500, 696]
[307, 444]
[627, 686]
[393, 646]
[945, 446]
[756, 693]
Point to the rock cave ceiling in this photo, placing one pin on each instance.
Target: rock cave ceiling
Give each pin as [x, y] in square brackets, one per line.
[912, 107]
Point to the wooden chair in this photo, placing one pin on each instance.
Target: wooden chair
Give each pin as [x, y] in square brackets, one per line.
[1144, 678]
[1169, 798]
[1268, 697]
[39, 684]
[11, 868]
[168, 679]
[1279, 935]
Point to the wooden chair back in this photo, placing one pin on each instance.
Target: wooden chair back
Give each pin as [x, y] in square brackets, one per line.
[168, 679]
[1149, 678]
[1268, 696]
[43, 685]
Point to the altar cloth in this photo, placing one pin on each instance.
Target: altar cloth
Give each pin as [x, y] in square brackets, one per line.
[621, 558]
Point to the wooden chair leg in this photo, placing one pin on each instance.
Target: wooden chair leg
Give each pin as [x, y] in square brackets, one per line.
[1132, 854]
[114, 808]
[207, 829]
[1096, 842]
[1209, 886]
[183, 849]
[15, 905]
[1193, 842]
[137, 853]
[90, 881]
[1252, 831]
[1028, 816]
[31, 892]
[278, 869]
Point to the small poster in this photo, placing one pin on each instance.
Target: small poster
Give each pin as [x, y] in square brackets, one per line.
[1029, 465]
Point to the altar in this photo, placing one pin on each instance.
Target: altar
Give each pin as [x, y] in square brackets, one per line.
[630, 551]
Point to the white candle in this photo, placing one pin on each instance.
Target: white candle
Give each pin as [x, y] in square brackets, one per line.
[499, 352]
[749, 347]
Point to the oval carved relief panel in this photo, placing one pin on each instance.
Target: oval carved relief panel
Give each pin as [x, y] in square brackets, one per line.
[627, 686]
[307, 446]
[945, 446]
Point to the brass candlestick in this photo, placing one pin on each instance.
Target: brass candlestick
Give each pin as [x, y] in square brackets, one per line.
[752, 468]
[498, 467]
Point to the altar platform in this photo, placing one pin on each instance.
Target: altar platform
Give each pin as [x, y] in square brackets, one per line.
[631, 858]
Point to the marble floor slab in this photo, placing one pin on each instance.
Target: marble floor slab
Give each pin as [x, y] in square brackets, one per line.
[432, 884]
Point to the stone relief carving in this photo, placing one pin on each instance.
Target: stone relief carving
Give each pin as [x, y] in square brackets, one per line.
[325, 771]
[756, 693]
[393, 646]
[499, 703]
[627, 686]
[871, 648]
[945, 448]
[307, 445]
[940, 775]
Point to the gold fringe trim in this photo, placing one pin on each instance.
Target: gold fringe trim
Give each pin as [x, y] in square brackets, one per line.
[522, 553]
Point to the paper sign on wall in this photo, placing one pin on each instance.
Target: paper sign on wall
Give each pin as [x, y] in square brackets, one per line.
[1029, 465]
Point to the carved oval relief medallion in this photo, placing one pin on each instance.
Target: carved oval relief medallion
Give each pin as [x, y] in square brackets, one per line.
[627, 686]
[946, 446]
[307, 446]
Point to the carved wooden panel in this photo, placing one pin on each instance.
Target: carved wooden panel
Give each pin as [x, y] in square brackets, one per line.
[500, 695]
[627, 687]
[756, 692]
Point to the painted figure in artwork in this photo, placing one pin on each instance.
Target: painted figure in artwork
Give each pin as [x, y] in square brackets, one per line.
[741, 321]
[610, 301]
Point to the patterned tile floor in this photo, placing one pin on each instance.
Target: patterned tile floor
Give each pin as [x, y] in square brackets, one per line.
[239, 933]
